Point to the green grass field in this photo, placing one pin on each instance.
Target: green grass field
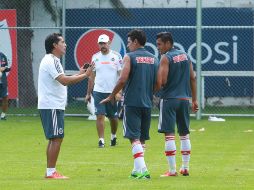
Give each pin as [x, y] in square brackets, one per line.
[79, 107]
[222, 157]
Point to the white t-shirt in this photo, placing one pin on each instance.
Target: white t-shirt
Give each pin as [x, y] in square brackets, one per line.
[51, 93]
[106, 69]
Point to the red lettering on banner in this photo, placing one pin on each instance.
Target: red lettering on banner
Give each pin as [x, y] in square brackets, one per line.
[179, 58]
[146, 60]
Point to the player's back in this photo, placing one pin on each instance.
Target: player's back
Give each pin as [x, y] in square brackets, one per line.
[178, 81]
[139, 87]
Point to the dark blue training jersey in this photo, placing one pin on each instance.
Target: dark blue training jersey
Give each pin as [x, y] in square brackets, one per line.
[4, 63]
[138, 91]
[178, 81]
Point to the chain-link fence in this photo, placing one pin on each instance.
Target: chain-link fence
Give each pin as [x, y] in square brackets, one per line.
[227, 46]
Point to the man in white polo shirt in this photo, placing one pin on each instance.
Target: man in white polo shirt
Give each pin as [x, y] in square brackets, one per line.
[108, 65]
[52, 96]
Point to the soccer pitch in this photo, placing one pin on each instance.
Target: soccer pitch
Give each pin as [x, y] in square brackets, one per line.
[222, 157]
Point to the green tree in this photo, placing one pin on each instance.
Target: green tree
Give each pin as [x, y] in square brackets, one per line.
[27, 92]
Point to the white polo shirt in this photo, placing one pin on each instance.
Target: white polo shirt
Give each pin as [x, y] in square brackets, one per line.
[106, 69]
[51, 93]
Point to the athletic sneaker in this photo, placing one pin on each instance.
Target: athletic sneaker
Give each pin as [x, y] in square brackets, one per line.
[138, 175]
[184, 171]
[101, 145]
[168, 174]
[56, 175]
[113, 142]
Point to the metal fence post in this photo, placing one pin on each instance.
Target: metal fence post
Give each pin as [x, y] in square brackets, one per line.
[199, 55]
[63, 28]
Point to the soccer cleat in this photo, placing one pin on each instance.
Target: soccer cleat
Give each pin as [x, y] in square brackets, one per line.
[3, 118]
[169, 174]
[138, 175]
[135, 175]
[56, 175]
[113, 142]
[184, 171]
[146, 175]
[101, 145]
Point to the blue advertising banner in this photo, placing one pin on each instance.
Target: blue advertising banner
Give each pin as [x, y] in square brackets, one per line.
[222, 49]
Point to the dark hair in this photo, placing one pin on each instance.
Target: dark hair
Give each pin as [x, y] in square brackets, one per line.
[165, 37]
[140, 35]
[50, 40]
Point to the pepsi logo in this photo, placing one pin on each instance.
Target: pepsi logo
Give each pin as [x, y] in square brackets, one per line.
[87, 45]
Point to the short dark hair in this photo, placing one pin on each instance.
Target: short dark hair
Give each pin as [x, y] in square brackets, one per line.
[165, 37]
[140, 35]
[50, 40]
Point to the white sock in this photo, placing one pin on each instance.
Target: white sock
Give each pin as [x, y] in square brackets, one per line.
[102, 140]
[170, 152]
[50, 171]
[113, 136]
[2, 114]
[138, 155]
[185, 151]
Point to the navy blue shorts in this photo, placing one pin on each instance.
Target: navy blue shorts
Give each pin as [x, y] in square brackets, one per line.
[3, 91]
[53, 123]
[136, 123]
[172, 112]
[108, 109]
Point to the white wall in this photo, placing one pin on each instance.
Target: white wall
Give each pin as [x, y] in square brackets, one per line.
[40, 18]
[158, 3]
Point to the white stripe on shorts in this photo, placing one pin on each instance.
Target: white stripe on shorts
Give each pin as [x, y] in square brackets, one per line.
[124, 121]
[54, 119]
[160, 115]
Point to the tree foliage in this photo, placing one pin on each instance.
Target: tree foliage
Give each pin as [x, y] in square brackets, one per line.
[27, 92]
[120, 8]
